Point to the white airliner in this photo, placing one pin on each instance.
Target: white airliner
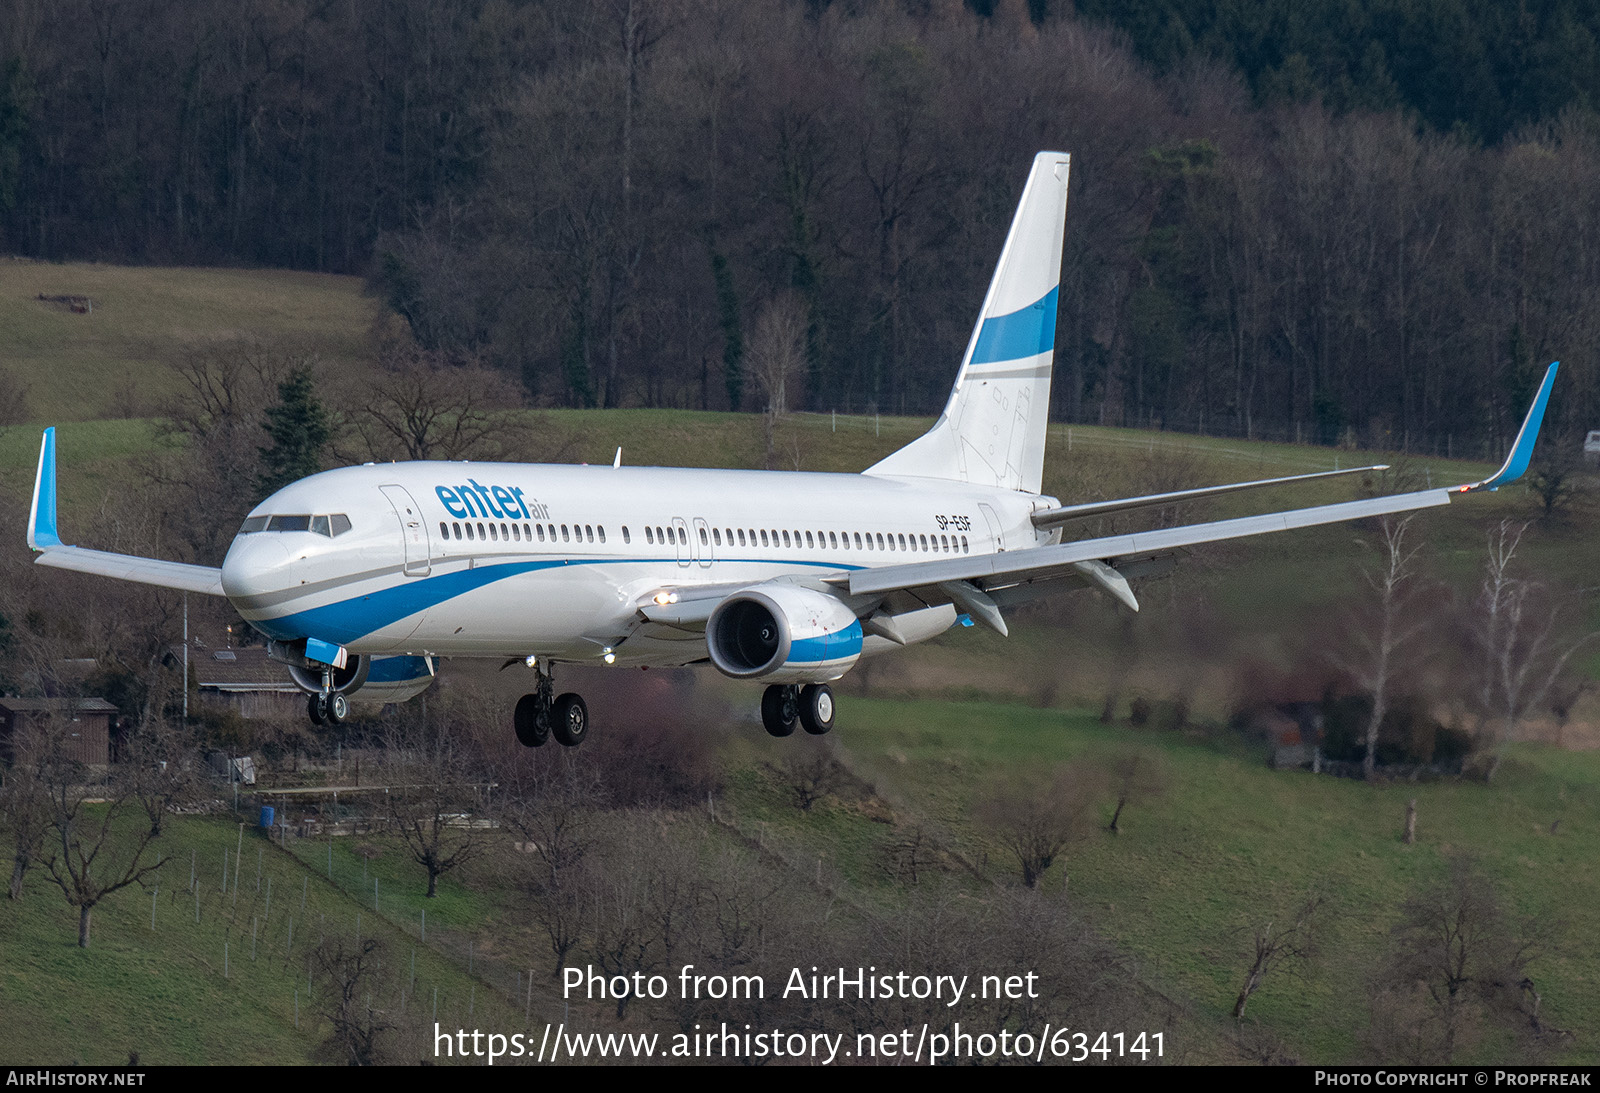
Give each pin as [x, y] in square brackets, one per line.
[363, 577]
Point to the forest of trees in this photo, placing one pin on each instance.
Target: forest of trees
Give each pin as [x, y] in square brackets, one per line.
[1371, 222]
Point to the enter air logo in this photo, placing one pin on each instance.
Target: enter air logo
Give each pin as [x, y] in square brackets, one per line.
[464, 502]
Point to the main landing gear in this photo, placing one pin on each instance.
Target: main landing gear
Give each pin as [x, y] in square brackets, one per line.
[539, 716]
[785, 705]
[326, 707]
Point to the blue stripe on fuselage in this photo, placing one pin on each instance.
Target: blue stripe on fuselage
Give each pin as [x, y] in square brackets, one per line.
[350, 620]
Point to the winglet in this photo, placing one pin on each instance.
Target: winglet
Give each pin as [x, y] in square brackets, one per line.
[1522, 447]
[42, 519]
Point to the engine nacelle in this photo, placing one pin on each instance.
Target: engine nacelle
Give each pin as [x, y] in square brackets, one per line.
[783, 634]
[370, 680]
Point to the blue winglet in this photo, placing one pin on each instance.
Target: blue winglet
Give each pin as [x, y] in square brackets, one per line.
[42, 519]
[1522, 447]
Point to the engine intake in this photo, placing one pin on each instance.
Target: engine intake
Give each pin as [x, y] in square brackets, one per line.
[784, 634]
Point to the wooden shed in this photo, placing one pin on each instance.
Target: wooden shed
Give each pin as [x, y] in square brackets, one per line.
[87, 724]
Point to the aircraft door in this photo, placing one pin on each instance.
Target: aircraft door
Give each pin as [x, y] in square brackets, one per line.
[702, 532]
[680, 535]
[413, 530]
[994, 526]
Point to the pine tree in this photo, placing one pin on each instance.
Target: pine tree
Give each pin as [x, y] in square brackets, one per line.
[298, 427]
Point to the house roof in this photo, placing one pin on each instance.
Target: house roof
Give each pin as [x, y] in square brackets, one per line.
[56, 705]
[242, 669]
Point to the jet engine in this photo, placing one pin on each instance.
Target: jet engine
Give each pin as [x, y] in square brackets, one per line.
[784, 634]
[371, 680]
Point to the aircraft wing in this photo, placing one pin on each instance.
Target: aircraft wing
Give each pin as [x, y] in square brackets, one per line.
[969, 582]
[44, 538]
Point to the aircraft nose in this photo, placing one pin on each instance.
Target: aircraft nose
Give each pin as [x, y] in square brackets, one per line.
[255, 565]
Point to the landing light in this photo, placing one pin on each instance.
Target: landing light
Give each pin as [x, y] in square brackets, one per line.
[608, 656]
[531, 661]
[664, 598]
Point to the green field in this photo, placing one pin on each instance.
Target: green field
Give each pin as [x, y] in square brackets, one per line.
[112, 361]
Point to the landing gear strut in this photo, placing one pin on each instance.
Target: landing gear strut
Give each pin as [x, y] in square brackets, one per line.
[327, 707]
[783, 706]
[539, 715]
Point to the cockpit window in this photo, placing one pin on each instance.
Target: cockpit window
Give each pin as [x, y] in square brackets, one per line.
[336, 524]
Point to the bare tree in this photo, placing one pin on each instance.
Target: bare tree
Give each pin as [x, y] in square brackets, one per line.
[13, 400]
[433, 800]
[89, 858]
[1458, 959]
[1522, 652]
[810, 770]
[1136, 777]
[1382, 639]
[648, 904]
[776, 357]
[1289, 940]
[423, 406]
[348, 971]
[1036, 821]
[552, 805]
[162, 767]
[25, 802]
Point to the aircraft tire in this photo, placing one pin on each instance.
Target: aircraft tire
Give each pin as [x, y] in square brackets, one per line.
[338, 709]
[777, 711]
[816, 708]
[570, 719]
[317, 708]
[532, 729]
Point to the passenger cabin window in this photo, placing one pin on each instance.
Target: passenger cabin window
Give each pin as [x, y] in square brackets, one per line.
[626, 538]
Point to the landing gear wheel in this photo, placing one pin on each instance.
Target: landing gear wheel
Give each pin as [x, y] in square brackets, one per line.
[570, 720]
[816, 708]
[780, 709]
[317, 708]
[338, 709]
[532, 721]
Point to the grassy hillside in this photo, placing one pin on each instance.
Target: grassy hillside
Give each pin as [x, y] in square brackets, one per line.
[162, 994]
[111, 361]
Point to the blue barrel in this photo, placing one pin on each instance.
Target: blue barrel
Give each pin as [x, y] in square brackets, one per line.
[267, 814]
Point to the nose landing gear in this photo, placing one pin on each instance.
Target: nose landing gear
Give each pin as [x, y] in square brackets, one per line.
[326, 706]
[541, 715]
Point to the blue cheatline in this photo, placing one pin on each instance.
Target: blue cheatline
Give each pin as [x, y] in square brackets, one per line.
[1026, 332]
[349, 620]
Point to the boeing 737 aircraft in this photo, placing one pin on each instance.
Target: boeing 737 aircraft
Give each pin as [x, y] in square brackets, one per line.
[362, 577]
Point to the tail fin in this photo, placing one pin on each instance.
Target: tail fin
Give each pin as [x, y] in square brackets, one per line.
[992, 430]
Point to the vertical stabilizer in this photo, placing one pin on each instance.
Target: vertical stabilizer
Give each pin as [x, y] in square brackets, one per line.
[992, 430]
